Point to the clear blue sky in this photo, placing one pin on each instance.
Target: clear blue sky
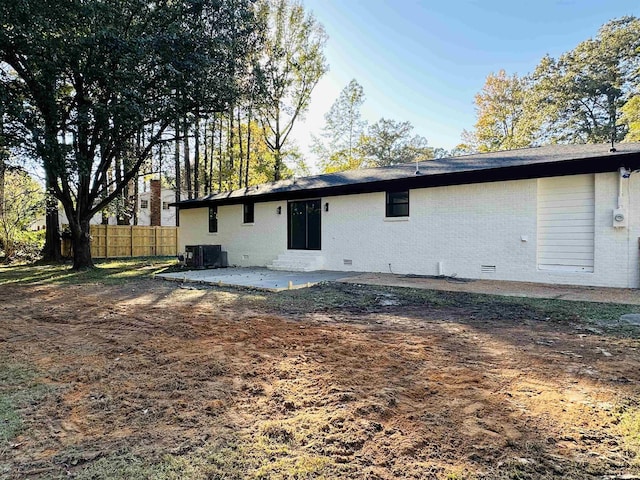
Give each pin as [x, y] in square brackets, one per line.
[424, 60]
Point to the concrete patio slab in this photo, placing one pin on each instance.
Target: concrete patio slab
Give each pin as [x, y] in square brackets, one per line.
[260, 278]
[272, 280]
[500, 287]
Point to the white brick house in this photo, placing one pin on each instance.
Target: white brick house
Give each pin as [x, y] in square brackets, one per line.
[167, 212]
[545, 214]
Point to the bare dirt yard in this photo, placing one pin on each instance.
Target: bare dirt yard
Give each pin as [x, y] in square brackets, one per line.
[150, 379]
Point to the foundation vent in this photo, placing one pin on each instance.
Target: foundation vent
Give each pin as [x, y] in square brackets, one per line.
[347, 261]
[487, 268]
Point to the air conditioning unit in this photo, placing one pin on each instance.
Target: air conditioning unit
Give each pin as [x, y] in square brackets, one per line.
[620, 218]
[205, 256]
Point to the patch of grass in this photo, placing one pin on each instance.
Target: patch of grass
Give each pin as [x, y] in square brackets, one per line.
[10, 421]
[108, 272]
[229, 462]
[629, 427]
[213, 461]
[18, 387]
[297, 467]
[128, 465]
[365, 298]
[459, 473]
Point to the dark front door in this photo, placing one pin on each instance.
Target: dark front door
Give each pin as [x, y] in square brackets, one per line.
[304, 225]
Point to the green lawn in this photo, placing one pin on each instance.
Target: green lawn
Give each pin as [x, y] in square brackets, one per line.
[108, 272]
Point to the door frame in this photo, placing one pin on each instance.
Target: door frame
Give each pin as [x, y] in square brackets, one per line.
[289, 226]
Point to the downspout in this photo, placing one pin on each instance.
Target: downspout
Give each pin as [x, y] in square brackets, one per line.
[624, 179]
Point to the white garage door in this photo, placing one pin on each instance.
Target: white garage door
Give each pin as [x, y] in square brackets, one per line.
[566, 207]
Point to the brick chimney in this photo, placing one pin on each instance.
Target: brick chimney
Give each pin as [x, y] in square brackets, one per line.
[155, 204]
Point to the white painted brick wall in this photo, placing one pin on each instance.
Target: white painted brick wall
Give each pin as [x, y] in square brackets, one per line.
[247, 245]
[464, 226]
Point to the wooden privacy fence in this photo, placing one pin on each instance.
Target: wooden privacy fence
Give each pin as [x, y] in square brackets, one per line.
[112, 241]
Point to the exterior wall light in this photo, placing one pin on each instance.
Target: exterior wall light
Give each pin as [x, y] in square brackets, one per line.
[326, 207]
[279, 210]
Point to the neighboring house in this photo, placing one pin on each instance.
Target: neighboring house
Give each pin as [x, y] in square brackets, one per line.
[40, 223]
[167, 210]
[566, 214]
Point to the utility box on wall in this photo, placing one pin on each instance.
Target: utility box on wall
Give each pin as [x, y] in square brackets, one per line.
[620, 218]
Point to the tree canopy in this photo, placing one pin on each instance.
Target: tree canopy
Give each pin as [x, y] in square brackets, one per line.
[23, 203]
[347, 142]
[581, 93]
[103, 81]
[586, 95]
[291, 64]
[389, 142]
[502, 118]
[339, 144]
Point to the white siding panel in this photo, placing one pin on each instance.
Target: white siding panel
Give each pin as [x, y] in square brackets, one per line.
[566, 223]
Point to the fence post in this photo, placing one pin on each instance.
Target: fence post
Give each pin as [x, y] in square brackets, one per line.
[106, 241]
[156, 241]
[131, 240]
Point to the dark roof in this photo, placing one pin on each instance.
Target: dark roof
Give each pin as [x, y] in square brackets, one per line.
[546, 161]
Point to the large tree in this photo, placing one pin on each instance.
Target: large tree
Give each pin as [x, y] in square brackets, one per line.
[104, 79]
[631, 119]
[579, 95]
[338, 147]
[503, 120]
[290, 67]
[389, 142]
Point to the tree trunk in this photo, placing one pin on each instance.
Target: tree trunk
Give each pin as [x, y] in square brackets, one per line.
[81, 239]
[105, 213]
[230, 142]
[177, 167]
[212, 154]
[277, 166]
[277, 151]
[205, 168]
[187, 160]
[51, 251]
[241, 152]
[246, 175]
[3, 167]
[135, 202]
[220, 154]
[121, 207]
[196, 159]
[124, 165]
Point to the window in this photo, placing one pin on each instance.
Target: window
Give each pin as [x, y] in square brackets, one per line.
[165, 205]
[398, 204]
[144, 204]
[213, 219]
[247, 211]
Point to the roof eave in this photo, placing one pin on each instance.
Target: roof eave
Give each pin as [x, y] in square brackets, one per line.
[598, 164]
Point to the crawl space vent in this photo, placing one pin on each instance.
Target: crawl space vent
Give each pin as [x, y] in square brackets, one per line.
[487, 268]
[347, 262]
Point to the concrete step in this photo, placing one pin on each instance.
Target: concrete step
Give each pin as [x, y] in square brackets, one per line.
[298, 261]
